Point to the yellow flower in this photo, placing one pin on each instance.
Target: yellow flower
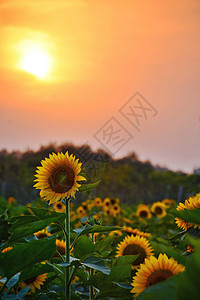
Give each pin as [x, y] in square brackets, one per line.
[155, 271]
[6, 249]
[61, 247]
[158, 208]
[191, 203]
[42, 234]
[143, 211]
[59, 206]
[135, 245]
[81, 212]
[106, 203]
[58, 177]
[116, 209]
[135, 231]
[98, 201]
[11, 200]
[115, 232]
[34, 282]
[168, 202]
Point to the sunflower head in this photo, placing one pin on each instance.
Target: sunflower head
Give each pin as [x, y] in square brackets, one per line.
[81, 212]
[136, 232]
[190, 203]
[11, 200]
[58, 177]
[159, 209]
[42, 234]
[135, 245]
[169, 202]
[97, 201]
[60, 247]
[116, 209]
[154, 271]
[34, 282]
[59, 206]
[106, 203]
[143, 211]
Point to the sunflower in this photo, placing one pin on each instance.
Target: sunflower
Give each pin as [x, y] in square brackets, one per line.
[11, 200]
[116, 209]
[61, 247]
[42, 234]
[135, 245]
[81, 212]
[136, 232]
[98, 201]
[169, 202]
[155, 271]
[158, 208]
[58, 177]
[143, 211]
[190, 203]
[106, 203]
[34, 282]
[116, 233]
[59, 206]
[6, 249]
[190, 249]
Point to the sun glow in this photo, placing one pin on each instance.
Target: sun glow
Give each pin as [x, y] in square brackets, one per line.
[35, 59]
[36, 63]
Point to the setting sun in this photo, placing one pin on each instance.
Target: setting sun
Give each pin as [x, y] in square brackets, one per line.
[37, 63]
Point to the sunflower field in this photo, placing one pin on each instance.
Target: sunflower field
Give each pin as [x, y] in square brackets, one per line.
[53, 248]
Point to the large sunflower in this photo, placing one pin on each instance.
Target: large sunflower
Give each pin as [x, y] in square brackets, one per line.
[158, 208]
[59, 206]
[58, 177]
[135, 245]
[143, 211]
[34, 282]
[155, 271]
[190, 203]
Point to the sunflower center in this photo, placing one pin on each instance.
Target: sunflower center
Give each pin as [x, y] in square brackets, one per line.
[62, 179]
[134, 249]
[59, 206]
[30, 280]
[143, 214]
[158, 210]
[158, 276]
[61, 250]
[41, 235]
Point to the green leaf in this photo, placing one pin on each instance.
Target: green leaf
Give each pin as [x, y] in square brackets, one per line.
[36, 270]
[189, 215]
[25, 255]
[13, 280]
[83, 246]
[94, 228]
[96, 263]
[104, 244]
[88, 187]
[23, 293]
[24, 226]
[4, 227]
[169, 251]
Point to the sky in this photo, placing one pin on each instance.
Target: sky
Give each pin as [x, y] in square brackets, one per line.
[120, 75]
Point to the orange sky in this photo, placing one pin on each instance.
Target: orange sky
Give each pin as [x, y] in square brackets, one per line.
[101, 53]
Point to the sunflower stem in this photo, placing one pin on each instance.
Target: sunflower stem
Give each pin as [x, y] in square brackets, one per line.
[91, 289]
[67, 231]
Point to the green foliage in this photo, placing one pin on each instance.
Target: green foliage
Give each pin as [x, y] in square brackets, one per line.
[25, 255]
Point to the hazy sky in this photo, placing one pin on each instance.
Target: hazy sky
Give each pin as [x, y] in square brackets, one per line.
[99, 54]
